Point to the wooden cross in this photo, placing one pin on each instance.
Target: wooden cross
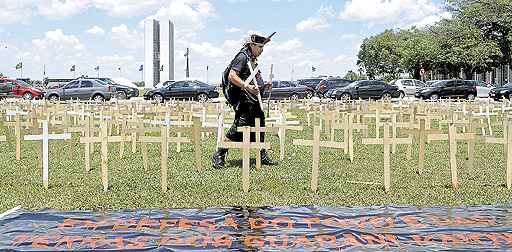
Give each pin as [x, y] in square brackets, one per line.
[246, 146]
[387, 141]
[282, 126]
[168, 126]
[177, 126]
[452, 137]
[199, 128]
[17, 129]
[421, 134]
[487, 115]
[348, 126]
[104, 139]
[316, 144]
[141, 131]
[45, 138]
[506, 140]
[164, 152]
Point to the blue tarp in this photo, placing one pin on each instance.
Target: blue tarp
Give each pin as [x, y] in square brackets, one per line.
[303, 228]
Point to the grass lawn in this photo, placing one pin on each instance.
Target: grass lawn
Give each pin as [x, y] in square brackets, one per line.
[285, 184]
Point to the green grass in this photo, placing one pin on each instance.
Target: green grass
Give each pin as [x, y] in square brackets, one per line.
[286, 184]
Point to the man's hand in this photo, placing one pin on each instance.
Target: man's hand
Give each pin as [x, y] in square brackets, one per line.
[253, 89]
[268, 86]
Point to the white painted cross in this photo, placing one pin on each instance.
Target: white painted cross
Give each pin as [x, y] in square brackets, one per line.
[45, 138]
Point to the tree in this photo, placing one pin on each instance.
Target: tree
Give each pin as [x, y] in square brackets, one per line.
[139, 83]
[464, 46]
[353, 76]
[378, 55]
[2, 75]
[493, 18]
[418, 49]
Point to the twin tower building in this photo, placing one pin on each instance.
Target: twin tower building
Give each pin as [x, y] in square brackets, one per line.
[158, 51]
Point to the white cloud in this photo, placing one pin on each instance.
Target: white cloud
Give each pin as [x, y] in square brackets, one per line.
[207, 50]
[127, 38]
[127, 7]
[96, 30]
[389, 10]
[349, 36]
[232, 30]
[187, 15]
[312, 23]
[432, 19]
[15, 11]
[317, 22]
[58, 41]
[58, 9]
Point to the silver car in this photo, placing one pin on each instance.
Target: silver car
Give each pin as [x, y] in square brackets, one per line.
[83, 89]
[407, 86]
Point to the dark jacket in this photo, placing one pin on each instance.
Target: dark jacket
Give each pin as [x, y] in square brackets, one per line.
[240, 66]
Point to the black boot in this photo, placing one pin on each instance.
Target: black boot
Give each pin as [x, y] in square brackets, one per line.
[219, 158]
[265, 158]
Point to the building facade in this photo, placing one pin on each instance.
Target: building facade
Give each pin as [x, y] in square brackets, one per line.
[158, 52]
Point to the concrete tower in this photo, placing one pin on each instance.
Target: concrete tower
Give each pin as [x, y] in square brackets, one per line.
[158, 51]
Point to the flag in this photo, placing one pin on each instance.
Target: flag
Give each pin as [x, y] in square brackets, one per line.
[206, 68]
[19, 65]
[73, 68]
[313, 69]
[141, 68]
[97, 68]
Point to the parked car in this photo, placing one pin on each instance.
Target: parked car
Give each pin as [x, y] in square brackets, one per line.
[329, 84]
[430, 83]
[448, 88]
[18, 88]
[122, 92]
[55, 83]
[503, 92]
[82, 89]
[310, 82]
[183, 90]
[288, 90]
[407, 86]
[164, 84]
[482, 89]
[366, 89]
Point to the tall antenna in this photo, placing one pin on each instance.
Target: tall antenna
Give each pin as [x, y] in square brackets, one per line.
[187, 71]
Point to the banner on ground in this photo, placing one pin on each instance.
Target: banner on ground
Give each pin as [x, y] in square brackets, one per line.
[278, 228]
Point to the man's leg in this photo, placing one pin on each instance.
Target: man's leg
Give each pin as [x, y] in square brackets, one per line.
[219, 157]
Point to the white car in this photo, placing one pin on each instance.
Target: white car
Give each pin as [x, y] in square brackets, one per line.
[407, 86]
[482, 89]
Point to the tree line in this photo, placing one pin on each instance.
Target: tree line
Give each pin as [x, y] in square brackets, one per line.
[477, 38]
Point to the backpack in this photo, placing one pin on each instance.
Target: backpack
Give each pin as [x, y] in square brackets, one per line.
[231, 92]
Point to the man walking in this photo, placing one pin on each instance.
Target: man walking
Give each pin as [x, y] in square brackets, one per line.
[243, 96]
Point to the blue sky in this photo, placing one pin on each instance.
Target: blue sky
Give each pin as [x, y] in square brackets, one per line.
[109, 33]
